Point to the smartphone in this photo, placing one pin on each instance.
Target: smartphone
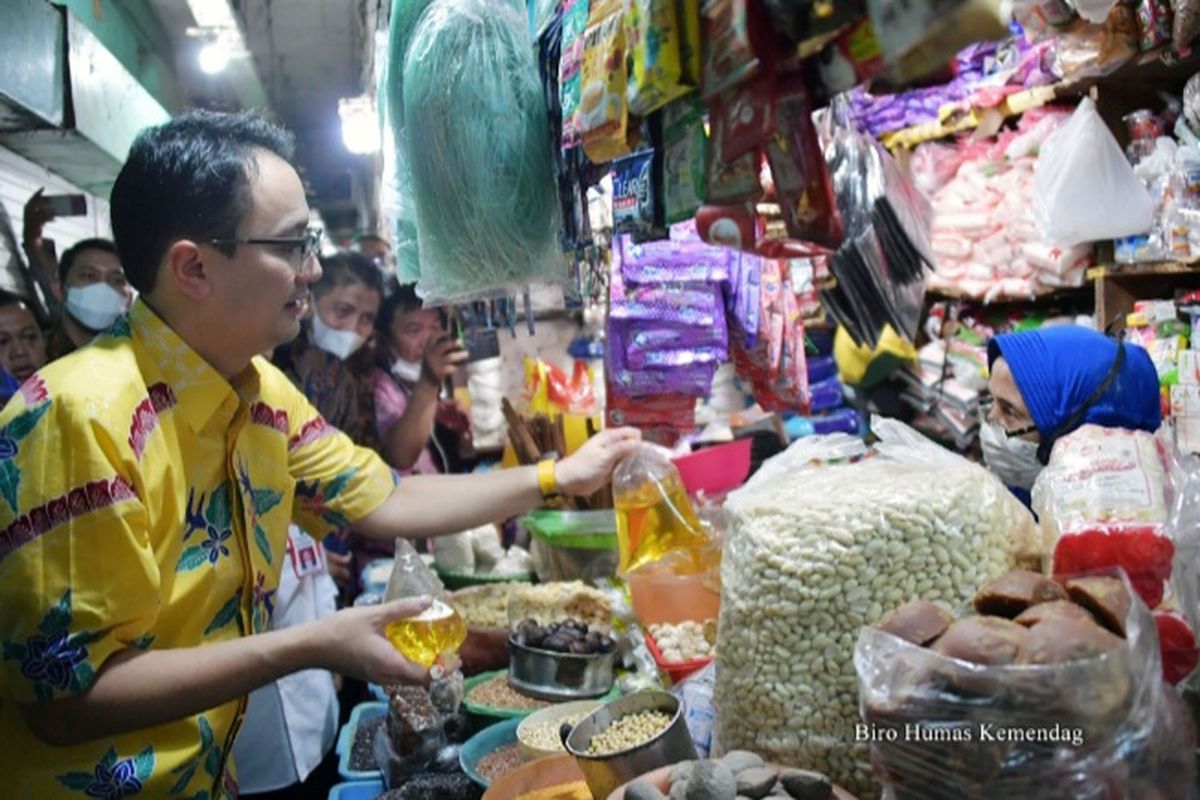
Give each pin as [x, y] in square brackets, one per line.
[66, 205]
[481, 344]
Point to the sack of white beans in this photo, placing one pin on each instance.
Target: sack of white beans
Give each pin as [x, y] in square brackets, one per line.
[827, 536]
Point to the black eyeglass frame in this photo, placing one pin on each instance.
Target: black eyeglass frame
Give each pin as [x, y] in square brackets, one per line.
[309, 243]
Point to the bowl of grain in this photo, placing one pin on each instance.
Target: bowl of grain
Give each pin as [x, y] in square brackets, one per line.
[538, 734]
[629, 737]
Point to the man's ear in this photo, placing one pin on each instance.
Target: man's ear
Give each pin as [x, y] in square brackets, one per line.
[186, 268]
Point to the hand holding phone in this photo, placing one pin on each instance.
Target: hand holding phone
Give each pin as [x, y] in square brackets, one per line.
[65, 205]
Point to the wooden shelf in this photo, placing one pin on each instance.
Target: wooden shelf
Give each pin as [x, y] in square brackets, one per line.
[1044, 296]
[1142, 270]
[1119, 286]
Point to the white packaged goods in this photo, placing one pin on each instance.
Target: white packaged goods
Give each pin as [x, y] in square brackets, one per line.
[827, 537]
[1189, 367]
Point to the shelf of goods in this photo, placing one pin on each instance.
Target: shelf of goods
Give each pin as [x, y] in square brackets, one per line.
[1118, 286]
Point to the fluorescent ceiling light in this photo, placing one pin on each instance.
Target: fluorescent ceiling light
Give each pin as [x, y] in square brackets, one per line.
[360, 124]
[214, 57]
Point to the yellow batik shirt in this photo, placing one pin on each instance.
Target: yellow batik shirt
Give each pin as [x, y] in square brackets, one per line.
[144, 503]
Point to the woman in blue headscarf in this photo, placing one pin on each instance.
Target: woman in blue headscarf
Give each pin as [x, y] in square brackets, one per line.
[1046, 383]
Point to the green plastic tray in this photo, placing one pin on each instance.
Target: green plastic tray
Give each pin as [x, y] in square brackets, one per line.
[586, 530]
[454, 581]
[510, 713]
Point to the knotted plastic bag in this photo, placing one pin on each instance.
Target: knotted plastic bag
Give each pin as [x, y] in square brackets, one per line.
[437, 631]
[1085, 189]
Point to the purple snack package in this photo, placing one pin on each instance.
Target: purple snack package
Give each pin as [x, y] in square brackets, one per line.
[742, 298]
[673, 261]
[658, 359]
[687, 304]
[694, 380]
[678, 337]
[844, 420]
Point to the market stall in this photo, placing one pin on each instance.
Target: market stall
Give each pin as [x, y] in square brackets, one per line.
[773, 218]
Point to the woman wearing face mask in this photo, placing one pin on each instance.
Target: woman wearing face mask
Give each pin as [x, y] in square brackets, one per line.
[330, 360]
[415, 358]
[1047, 383]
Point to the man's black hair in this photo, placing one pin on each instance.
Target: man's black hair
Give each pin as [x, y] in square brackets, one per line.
[402, 301]
[68, 257]
[188, 178]
[8, 298]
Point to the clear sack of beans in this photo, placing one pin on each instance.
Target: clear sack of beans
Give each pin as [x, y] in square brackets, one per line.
[826, 537]
[1049, 694]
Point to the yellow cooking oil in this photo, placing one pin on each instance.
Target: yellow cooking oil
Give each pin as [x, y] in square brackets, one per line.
[436, 631]
[656, 518]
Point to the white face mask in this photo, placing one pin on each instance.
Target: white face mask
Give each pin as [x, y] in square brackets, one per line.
[97, 306]
[406, 371]
[1013, 460]
[341, 344]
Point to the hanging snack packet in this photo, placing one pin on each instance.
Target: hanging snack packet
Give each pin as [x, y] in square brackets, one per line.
[802, 184]
[604, 116]
[729, 181]
[733, 226]
[634, 197]
[684, 159]
[732, 36]
[655, 35]
[570, 78]
[746, 117]
[669, 261]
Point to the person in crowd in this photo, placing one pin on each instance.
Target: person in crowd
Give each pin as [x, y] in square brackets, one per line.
[88, 286]
[1046, 383]
[152, 475]
[330, 361]
[415, 357]
[22, 343]
[377, 250]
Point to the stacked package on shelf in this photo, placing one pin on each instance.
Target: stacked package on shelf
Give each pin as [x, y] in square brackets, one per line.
[949, 405]
[986, 241]
[667, 328]
[1185, 391]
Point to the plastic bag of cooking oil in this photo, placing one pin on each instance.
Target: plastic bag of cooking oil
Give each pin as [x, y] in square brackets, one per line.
[655, 519]
[435, 633]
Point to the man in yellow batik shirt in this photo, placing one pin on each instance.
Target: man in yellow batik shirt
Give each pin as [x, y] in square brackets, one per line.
[147, 482]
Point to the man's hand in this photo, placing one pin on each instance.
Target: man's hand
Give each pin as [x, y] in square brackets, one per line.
[592, 465]
[36, 217]
[351, 642]
[442, 359]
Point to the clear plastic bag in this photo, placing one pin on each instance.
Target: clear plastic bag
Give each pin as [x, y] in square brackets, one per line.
[475, 112]
[1105, 500]
[1085, 189]
[826, 536]
[408, 743]
[1104, 728]
[436, 632]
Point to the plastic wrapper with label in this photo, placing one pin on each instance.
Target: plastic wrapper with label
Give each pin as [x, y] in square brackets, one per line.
[1103, 728]
[603, 108]
[1105, 501]
[826, 537]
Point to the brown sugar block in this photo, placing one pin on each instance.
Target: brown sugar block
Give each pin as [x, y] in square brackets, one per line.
[1058, 639]
[982, 640]
[1105, 597]
[919, 622]
[1057, 609]
[1010, 594]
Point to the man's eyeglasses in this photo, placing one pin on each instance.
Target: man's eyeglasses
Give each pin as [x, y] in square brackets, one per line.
[307, 245]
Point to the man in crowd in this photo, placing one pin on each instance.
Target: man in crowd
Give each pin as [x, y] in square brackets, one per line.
[88, 285]
[22, 344]
[148, 480]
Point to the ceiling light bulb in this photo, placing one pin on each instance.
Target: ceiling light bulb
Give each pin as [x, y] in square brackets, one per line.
[214, 57]
[360, 125]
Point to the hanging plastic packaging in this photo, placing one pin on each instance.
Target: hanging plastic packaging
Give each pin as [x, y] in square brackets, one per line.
[655, 518]
[475, 111]
[436, 632]
[603, 108]
[1086, 190]
[1103, 727]
[656, 30]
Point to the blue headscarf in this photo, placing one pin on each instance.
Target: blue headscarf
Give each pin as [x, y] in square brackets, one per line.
[1057, 369]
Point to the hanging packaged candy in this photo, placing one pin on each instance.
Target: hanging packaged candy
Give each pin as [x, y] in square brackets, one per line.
[729, 181]
[733, 36]
[574, 23]
[634, 199]
[728, 226]
[853, 58]
[670, 261]
[742, 298]
[602, 107]
[776, 363]
[655, 35]
[1155, 23]
[675, 337]
[693, 379]
[684, 158]
[744, 117]
[690, 304]
[802, 184]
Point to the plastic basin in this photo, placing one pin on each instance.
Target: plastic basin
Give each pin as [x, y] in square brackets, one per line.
[716, 470]
[345, 741]
[357, 790]
[486, 741]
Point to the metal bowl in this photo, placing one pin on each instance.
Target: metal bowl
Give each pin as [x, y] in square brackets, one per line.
[606, 772]
[558, 676]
